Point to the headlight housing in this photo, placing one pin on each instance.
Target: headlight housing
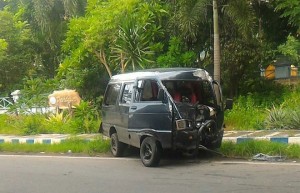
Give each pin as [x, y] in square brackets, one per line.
[183, 124]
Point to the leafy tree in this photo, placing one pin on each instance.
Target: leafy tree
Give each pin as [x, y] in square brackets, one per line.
[15, 51]
[122, 39]
[139, 35]
[290, 9]
[176, 55]
[47, 21]
[188, 17]
[91, 36]
[291, 49]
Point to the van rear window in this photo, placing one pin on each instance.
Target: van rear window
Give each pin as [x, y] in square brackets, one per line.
[112, 94]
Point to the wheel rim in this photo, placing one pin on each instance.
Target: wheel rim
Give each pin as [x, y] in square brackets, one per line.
[147, 152]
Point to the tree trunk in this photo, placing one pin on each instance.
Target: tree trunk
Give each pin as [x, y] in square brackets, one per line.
[217, 55]
[101, 57]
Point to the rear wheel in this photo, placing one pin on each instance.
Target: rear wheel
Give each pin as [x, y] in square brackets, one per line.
[150, 152]
[116, 147]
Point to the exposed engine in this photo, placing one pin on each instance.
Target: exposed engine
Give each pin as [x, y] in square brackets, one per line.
[198, 117]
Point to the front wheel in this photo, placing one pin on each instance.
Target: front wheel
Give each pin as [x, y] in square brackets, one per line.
[150, 152]
[117, 148]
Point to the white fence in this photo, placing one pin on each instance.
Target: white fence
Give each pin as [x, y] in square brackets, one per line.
[6, 103]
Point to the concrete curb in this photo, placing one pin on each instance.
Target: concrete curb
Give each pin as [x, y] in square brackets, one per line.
[58, 138]
[43, 139]
[285, 140]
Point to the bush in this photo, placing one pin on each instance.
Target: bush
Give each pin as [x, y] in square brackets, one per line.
[245, 115]
[294, 120]
[22, 124]
[34, 124]
[85, 119]
[250, 148]
[277, 118]
[266, 111]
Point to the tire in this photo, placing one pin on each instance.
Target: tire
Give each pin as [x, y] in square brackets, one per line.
[150, 152]
[217, 143]
[116, 147]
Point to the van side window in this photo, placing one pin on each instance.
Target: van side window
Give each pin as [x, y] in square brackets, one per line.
[148, 91]
[127, 93]
[112, 94]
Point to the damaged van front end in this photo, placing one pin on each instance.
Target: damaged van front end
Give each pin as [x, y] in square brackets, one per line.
[196, 126]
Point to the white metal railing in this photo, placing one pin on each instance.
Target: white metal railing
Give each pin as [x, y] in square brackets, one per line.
[5, 103]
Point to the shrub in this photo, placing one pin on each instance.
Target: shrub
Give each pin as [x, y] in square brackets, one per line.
[294, 120]
[86, 118]
[34, 124]
[245, 115]
[58, 122]
[249, 112]
[277, 118]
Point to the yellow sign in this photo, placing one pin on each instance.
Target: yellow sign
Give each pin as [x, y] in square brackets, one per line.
[270, 72]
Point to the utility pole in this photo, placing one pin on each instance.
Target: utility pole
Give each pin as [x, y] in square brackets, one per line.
[217, 54]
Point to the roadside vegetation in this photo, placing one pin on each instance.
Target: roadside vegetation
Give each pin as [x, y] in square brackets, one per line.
[79, 44]
[277, 109]
[83, 119]
[72, 145]
[100, 146]
[250, 148]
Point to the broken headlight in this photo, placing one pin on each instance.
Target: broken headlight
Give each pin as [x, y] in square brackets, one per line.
[182, 124]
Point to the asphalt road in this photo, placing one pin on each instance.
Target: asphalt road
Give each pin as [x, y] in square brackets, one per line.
[45, 174]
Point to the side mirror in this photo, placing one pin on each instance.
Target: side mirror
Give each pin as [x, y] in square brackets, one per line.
[161, 95]
[229, 104]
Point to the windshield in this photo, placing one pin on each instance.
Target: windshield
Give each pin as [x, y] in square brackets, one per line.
[194, 92]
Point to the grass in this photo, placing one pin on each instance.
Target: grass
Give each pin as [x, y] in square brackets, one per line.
[93, 147]
[250, 148]
[260, 111]
[45, 124]
[100, 146]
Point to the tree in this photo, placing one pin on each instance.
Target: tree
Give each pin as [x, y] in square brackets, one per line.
[177, 56]
[111, 37]
[291, 49]
[290, 9]
[47, 21]
[137, 36]
[188, 15]
[15, 51]
[131, 46]
[217, 54]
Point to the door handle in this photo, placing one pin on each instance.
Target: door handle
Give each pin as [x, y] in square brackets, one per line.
[133, 107]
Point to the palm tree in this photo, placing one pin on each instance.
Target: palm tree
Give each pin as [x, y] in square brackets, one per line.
[131, 46]
[48, 19]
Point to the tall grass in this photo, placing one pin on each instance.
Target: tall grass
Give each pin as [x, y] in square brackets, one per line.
[260, 111]
[246, 114]
[250, 148]
[74, 145]
[45, 124]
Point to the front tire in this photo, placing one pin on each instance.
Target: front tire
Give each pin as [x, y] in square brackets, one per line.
[117, 148]
[150, 152]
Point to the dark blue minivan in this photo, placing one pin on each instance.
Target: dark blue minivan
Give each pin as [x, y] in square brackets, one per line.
[156, 109]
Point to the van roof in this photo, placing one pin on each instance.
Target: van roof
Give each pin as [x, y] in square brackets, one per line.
[165, 74]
